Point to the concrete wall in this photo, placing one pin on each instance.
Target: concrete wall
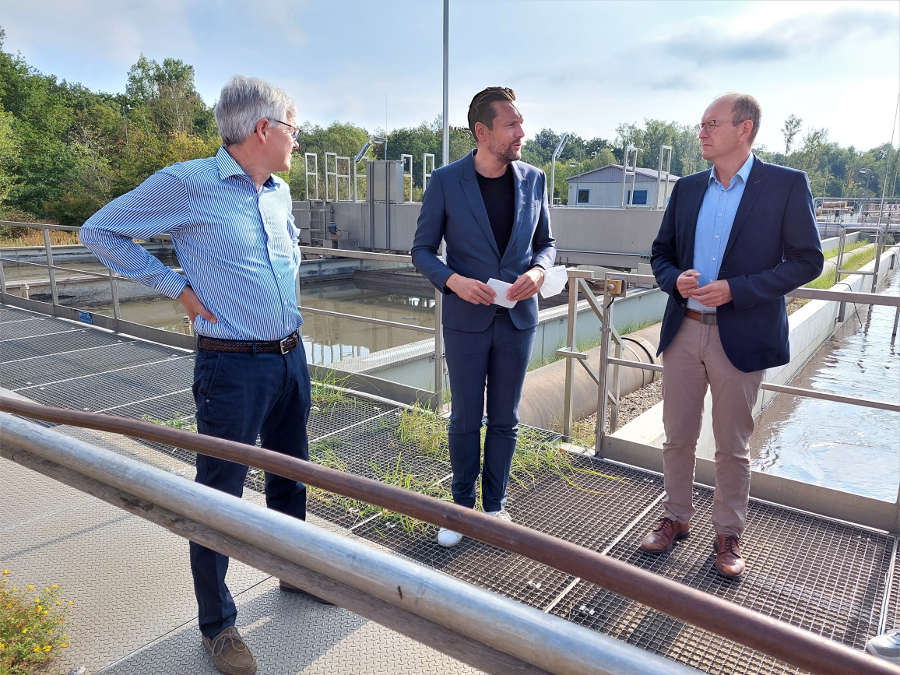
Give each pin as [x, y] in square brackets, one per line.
[413, 364]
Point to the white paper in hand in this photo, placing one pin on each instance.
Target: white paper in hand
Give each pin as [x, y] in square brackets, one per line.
[554, 281]
[500, 288]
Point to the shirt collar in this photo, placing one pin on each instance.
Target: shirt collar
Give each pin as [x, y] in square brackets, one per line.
[743, 172]
[228, 167]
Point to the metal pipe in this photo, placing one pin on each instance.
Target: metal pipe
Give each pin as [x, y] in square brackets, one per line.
[114, 289]
[368, 319]
[548, 642]
[751, 628]
[359, 255]
[573, 282]
[54, 293]
[445, 134]
[600, 429]
[840, 255]
[2, 279]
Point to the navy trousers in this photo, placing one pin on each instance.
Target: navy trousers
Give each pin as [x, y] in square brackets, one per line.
[497, 357]
[241, 397]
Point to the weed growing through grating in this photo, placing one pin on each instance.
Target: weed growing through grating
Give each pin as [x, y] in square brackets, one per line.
[535, 454]
[409, 481]
[324, 453]
[31, 627]
[326, 392]
[426, 431]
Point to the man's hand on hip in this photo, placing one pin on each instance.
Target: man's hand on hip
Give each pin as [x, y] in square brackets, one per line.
[713, 294]
[527, 284]
[471, 290]
[193, 305]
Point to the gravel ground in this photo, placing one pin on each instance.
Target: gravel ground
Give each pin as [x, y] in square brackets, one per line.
[630, 406]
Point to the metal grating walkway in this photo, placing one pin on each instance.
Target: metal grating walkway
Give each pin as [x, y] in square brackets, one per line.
[827, 577]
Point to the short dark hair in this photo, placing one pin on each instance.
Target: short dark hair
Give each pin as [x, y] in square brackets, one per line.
[744, 107]
[481, 108]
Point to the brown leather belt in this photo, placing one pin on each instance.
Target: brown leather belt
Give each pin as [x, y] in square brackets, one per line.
[709, 318]
[282, 346]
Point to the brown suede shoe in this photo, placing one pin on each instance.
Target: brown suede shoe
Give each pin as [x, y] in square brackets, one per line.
[664, 535]
[728, 555]
[229, 653]
[288, 588]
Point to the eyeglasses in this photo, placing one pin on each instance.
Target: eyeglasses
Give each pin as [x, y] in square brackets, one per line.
[712, 125]
[294, 131]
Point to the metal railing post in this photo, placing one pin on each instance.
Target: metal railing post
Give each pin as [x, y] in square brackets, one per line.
[114, 289]
[570, 364]
[614, 412]
[54, 295]
[600, 430]
[2, 278]
[879, 249]
[438, 349]
[840, 254]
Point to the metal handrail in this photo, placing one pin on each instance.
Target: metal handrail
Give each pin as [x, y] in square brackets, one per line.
[487, 631]
[776, 638]
[312, 250]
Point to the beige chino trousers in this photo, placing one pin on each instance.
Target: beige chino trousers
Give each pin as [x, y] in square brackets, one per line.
[694, 360]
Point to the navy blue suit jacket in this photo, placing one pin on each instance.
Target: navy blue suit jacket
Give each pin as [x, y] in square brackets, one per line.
[453, 210]
[773, 248]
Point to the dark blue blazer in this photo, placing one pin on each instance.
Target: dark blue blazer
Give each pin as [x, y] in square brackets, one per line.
[773, 248]
[453, 210]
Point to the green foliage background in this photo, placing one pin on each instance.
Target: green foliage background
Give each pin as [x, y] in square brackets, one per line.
[65, 151]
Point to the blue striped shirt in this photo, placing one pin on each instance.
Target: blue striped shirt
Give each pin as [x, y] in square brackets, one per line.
[237, 246]
[717, 212]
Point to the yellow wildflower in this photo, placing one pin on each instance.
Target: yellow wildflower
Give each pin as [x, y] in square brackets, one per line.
[40, 608]
[30, 587]
[45, 612]
[65, 637]
[46, 589]
[24, 630]
[58, 603]
[37, 649]
[54, 586]
[5, 571]
[47, 648]
[64, 645]
[71, 603]
[2, 646]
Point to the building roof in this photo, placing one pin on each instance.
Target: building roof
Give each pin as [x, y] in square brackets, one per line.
[647, 173]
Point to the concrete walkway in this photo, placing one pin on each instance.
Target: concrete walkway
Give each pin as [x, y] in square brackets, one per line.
[134, 608]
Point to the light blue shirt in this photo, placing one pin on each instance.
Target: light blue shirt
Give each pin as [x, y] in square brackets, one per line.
[720, 204]
[236, 245]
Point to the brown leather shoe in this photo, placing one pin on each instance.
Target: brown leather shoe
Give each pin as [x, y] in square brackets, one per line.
[728, 555]
[289, 588]
[229, 653]
[664, 535]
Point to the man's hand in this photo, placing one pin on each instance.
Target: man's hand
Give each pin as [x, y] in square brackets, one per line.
[471, 290]
[193, 305]
[526, 285]
[714, 294]
[688, 282]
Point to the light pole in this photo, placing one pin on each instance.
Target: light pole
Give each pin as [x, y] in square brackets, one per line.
[556, 153]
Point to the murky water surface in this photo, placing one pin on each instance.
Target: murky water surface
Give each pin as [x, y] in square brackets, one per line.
[327, 339]
[846, 447]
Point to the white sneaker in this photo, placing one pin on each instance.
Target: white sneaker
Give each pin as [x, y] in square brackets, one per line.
[448, 538]
[502, 514]
[885, 646]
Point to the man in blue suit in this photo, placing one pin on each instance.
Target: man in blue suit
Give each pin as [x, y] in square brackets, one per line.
[733, 241]
[491, 210]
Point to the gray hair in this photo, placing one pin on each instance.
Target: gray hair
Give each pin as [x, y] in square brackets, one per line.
[744, 107]
[246, 100]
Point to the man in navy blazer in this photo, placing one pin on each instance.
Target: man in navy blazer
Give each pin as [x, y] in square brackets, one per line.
[733, 241]
[491, 210]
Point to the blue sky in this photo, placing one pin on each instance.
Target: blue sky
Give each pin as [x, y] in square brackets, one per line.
[576, 65]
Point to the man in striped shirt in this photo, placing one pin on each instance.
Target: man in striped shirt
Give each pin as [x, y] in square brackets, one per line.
[230, 222]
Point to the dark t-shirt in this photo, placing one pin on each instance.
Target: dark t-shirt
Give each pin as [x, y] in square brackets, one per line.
[499, 199]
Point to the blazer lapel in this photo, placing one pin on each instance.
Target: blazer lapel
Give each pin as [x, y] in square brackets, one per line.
[690, 225]
[469, 183]
[520, 189]
[752, 191]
